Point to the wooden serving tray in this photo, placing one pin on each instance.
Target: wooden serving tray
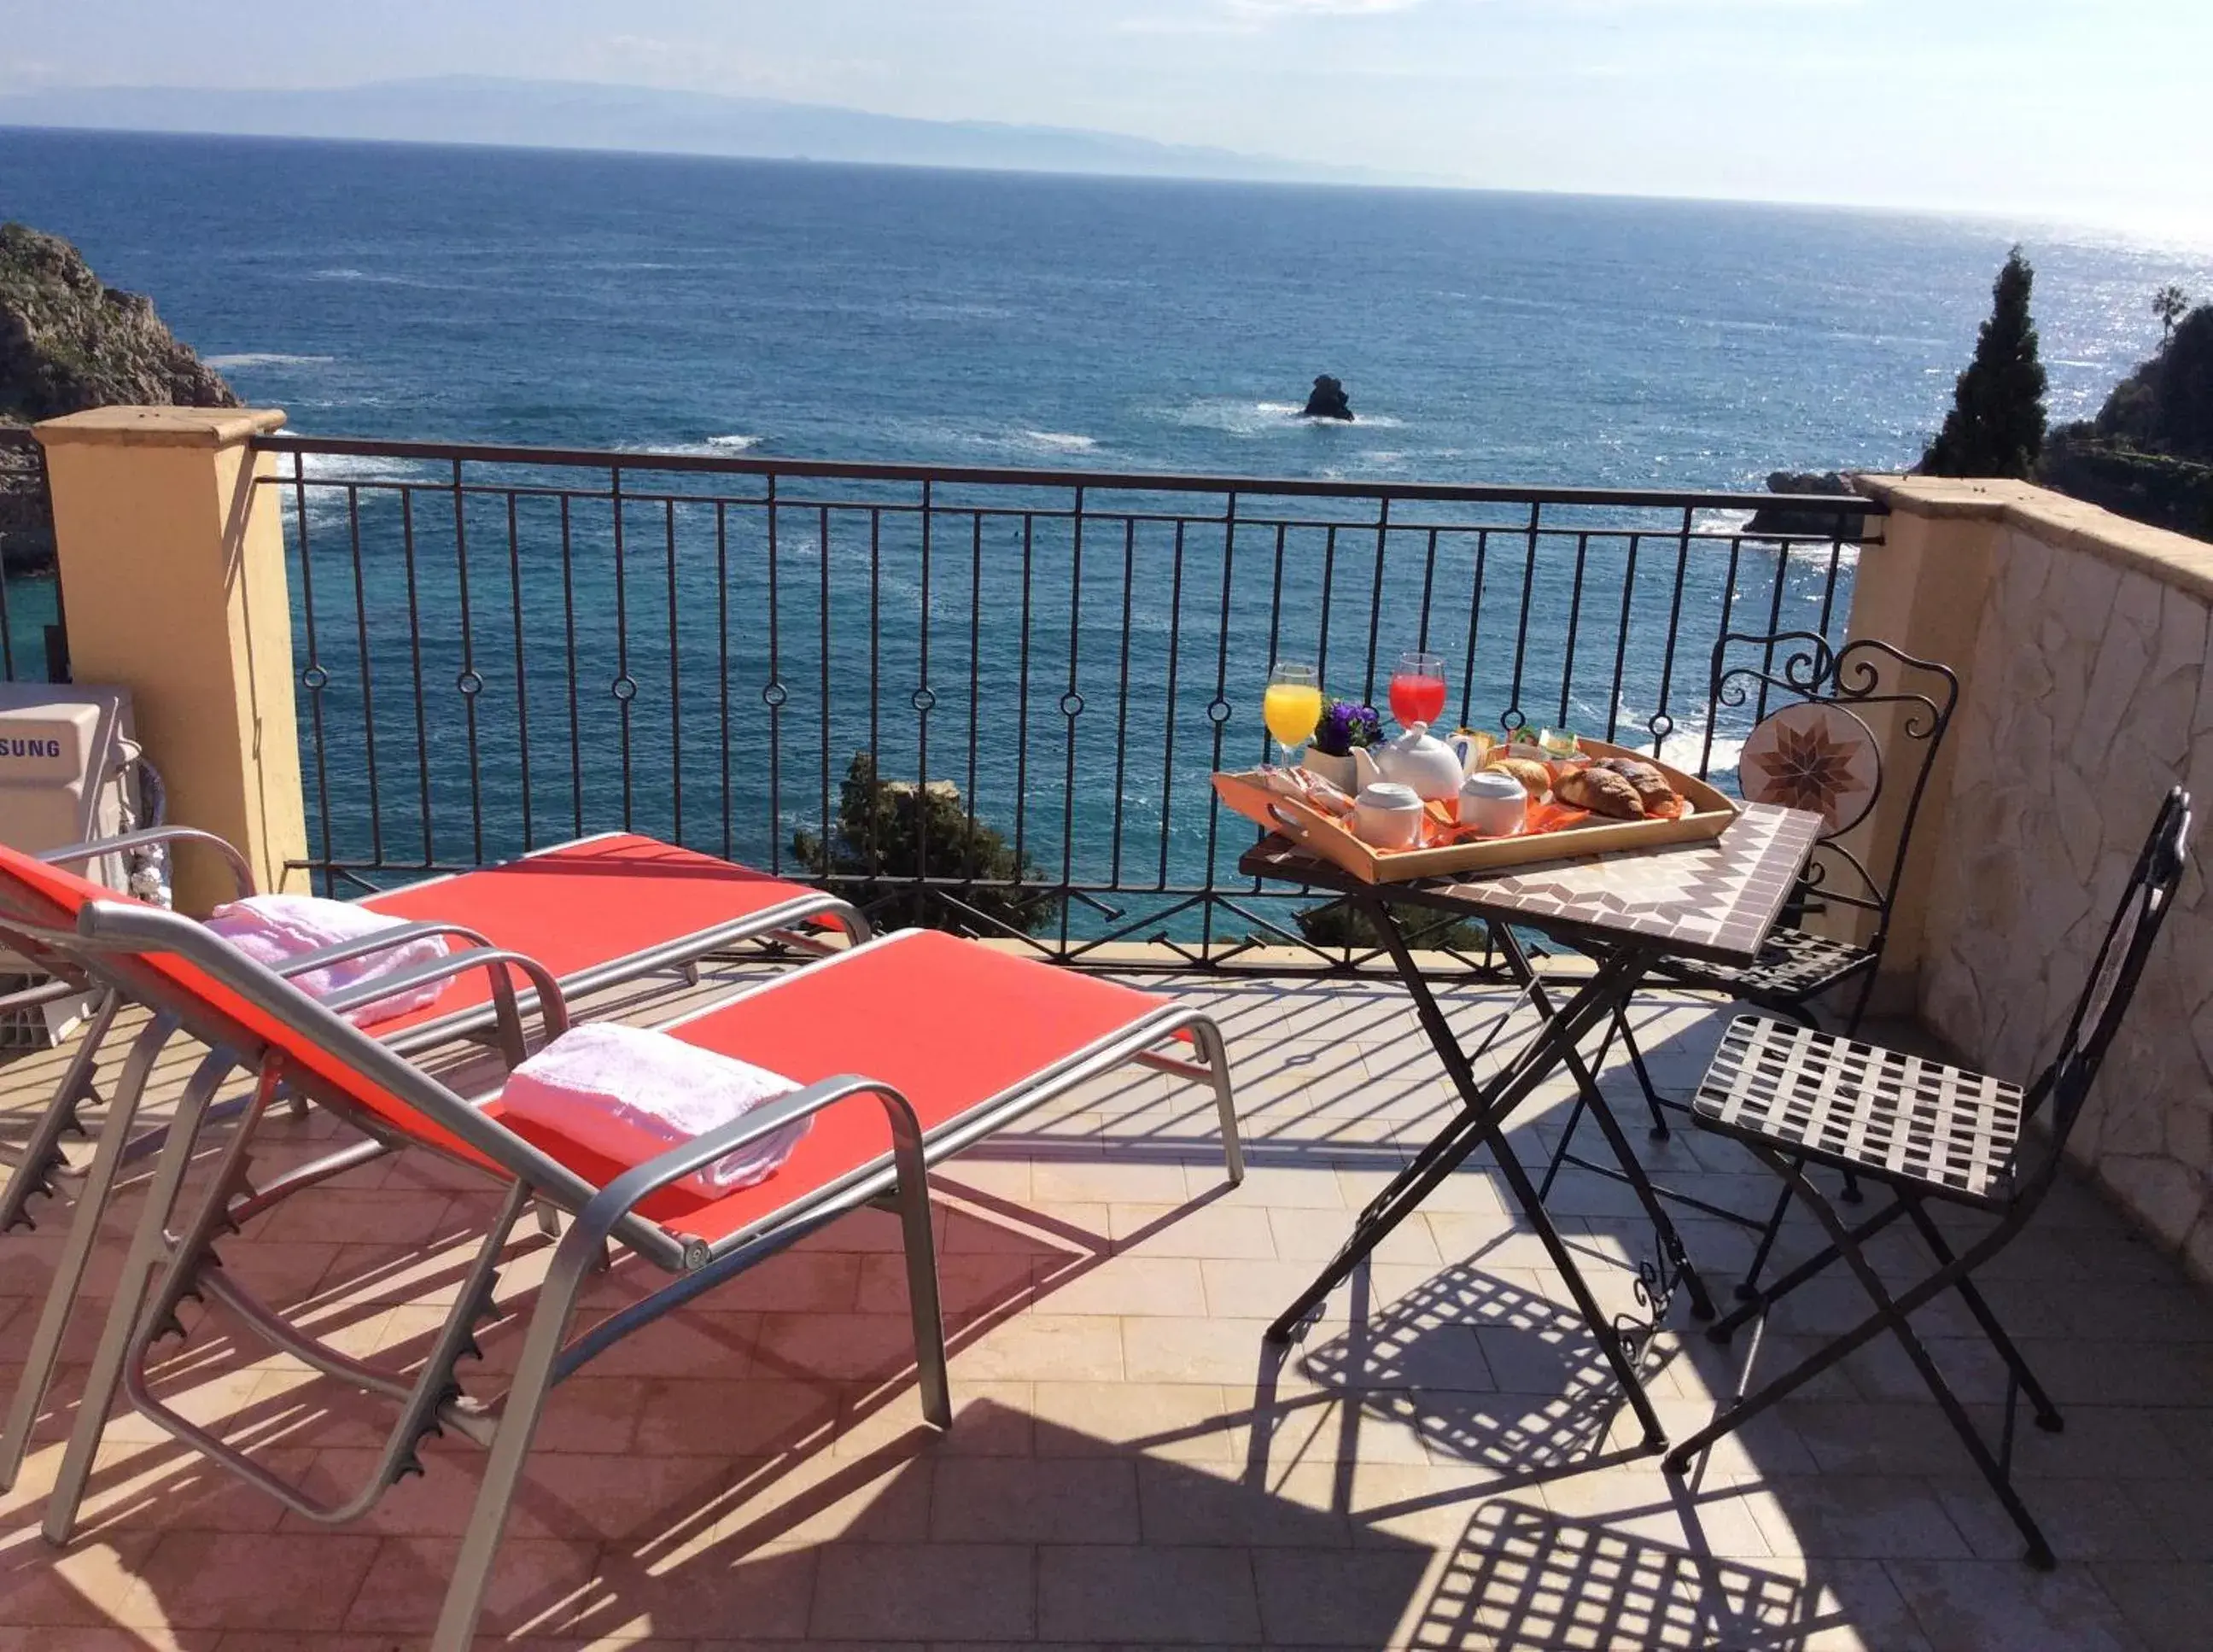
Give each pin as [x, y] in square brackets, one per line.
[1708, 816]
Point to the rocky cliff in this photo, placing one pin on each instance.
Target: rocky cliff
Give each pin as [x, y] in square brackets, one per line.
[67, 343]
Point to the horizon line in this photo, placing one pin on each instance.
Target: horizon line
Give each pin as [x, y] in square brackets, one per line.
[2196, 236]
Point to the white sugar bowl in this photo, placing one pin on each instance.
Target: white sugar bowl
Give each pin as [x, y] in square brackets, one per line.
[1388, 815]
[1494, 803]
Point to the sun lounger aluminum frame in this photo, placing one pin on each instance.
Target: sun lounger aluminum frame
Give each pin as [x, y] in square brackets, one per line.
[145, 1304]
[117, 1146]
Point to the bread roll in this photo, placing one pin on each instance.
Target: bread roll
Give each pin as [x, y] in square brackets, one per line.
[1536, 779]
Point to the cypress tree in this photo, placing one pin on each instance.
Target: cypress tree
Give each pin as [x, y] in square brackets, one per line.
[1996, 427]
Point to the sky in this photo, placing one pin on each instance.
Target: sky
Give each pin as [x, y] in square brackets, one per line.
[2081, 111]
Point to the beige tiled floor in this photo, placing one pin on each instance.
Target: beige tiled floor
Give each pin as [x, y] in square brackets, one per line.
[1443, 1462]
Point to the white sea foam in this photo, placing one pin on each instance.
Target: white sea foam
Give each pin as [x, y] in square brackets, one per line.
[372, 277]
[1264, 418]
[1060, 440]
[264, 358]
[734, 443]
[359, 468]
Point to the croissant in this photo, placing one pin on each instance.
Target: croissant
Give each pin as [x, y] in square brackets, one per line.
[1601, 791]
[1652, 788]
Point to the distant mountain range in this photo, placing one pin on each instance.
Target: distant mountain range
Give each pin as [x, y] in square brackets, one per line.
[585, 115]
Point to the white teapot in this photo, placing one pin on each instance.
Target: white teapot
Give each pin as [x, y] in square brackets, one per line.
[1433, 768]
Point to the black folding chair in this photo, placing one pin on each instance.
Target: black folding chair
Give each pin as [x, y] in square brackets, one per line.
[1811, 747]
[1926, 1133]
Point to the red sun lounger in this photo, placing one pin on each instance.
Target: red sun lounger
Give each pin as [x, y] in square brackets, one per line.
[949, 1039]
[595, 913]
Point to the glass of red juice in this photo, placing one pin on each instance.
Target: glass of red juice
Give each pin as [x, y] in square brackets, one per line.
[1417, 689]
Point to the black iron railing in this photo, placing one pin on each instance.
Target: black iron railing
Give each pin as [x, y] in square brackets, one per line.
[31, 648]
[500, 648]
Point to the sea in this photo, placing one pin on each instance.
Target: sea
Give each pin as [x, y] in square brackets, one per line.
[787, 308]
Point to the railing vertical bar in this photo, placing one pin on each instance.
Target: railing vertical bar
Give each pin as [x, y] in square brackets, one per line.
[773, 693]
[367, 697]
[1474, 629]
[1621, 640]
[1375, 599]
[1428, 590]
[1713, 700]
[1217, 713]
[722, 663]
[975, 680]
[1514, 718]
[415, 654]
[625, 686]
[1023, 698]
[1662, 721]
[1328, 594]
[675, 679]
[1169, 718]
[521, 667]
[1829, 589]
[1575, 624]
[1275, 624]
[312, 674]
[923, 703]
[1774, 625]
[875, 682]
[1122, 695]
[822, 571]
[1071, 708]
[470, 684]
[569, 624]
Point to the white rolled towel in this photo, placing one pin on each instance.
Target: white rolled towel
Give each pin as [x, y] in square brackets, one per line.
[274, 929]
[629, 1095]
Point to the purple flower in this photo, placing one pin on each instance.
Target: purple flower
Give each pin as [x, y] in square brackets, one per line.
[1344, 725]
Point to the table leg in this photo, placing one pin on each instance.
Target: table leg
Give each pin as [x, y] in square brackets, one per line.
[1675, 1263]
[1480, 1124]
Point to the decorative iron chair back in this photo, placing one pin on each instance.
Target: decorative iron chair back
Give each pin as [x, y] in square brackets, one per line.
[1864, 675]
[2064, 1084]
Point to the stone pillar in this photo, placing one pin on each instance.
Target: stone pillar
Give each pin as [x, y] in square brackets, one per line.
[1922, 590]
[173, 578]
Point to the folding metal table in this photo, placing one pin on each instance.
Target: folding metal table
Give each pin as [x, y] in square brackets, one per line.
[1714, 900]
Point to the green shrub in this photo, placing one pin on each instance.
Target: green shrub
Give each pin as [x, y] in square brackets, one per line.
[892, 834]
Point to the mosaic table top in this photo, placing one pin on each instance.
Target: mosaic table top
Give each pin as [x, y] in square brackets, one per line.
[1716, 900]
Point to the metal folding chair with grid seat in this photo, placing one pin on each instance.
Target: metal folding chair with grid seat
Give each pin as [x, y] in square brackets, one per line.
[1816, 751]
[1929, 1134]
[600, 912]
[952, 1040]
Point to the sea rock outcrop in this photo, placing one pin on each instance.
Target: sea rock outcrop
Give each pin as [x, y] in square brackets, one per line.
[67, 343]
[1328, 401]
[1805, 520]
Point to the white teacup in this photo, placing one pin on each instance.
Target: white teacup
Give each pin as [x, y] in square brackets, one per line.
[1494, 803]
[1386, 816]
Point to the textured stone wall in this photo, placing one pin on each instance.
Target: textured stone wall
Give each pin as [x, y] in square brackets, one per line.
[2088, 695]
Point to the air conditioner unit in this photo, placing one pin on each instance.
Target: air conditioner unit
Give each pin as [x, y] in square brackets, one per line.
[69, 773]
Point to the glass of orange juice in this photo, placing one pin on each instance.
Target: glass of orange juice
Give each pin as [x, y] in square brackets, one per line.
[1293, 705]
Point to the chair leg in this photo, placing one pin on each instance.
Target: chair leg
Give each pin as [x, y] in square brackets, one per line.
[1567, 1142]
[42, 1152]
[1652, 1102]
[147, 1247]
[1759, 1302]
[1217, 1055]
[1747, 1288]
[1891, 1315]
[44, 1349]
[922, 1303]
[575, 1259]
[2047, 1414]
